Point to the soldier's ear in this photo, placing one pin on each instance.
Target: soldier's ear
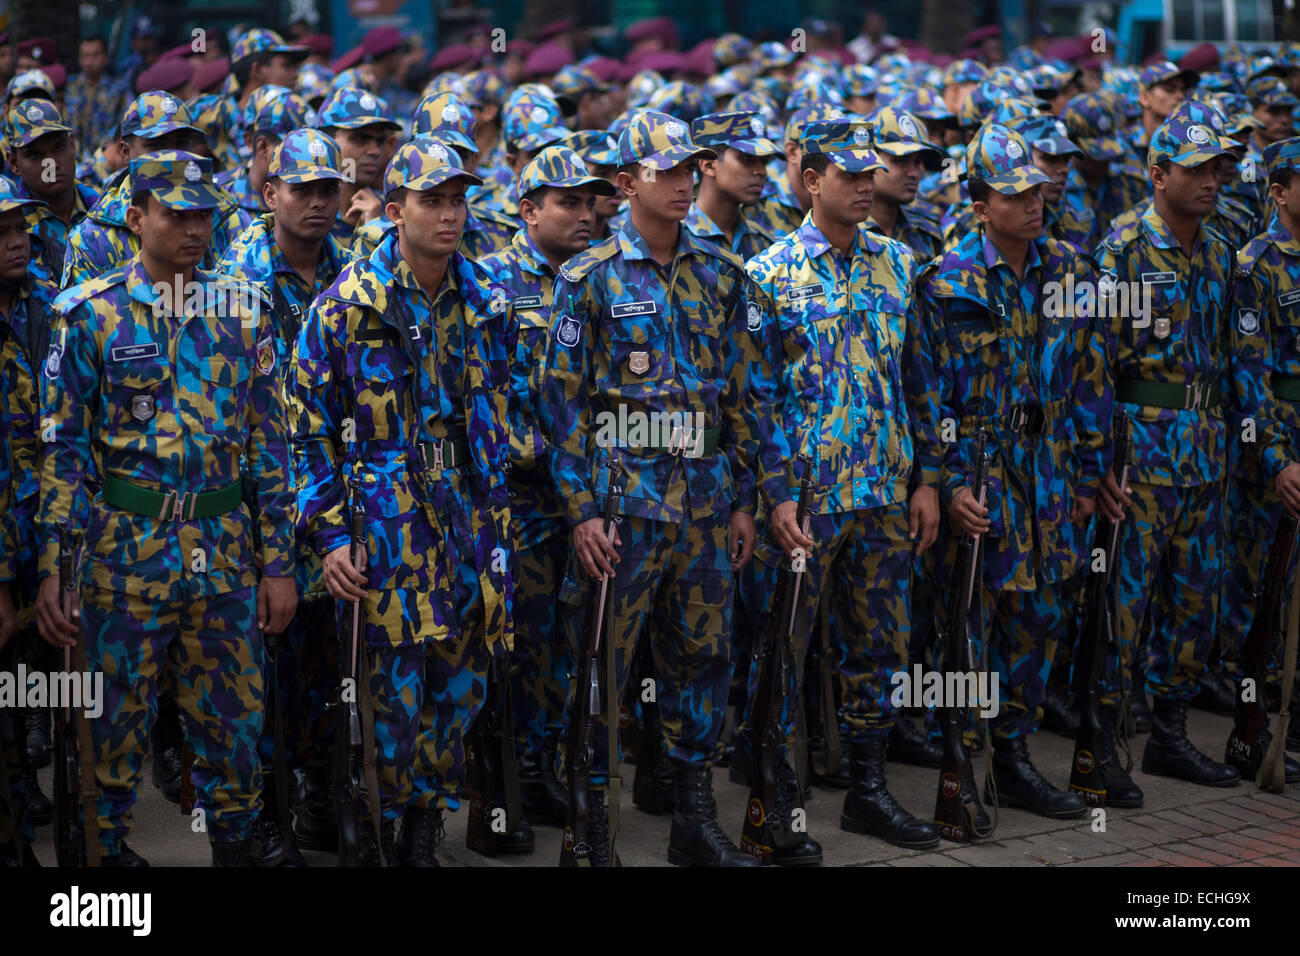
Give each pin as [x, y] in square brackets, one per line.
[135, 219]
[626, 183]
[528, 211]
[812, 182]
[1158, 177]
[708, 167]
[394, 213]
[981, 210]
[1278, 192]
[268, 194]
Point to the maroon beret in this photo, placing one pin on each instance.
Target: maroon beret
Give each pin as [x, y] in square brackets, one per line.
[700, 59]
[1202, 59]
[661, 61]
[554, 29]
[546, 59]
[169, 75]
[350, 59]
[209, 73]
[381, 40]
[40, 49]
[57, 73]
[656, 27]
[454, 56]
[183, 50]
[320, 44]
[607, 68]
[522, 49]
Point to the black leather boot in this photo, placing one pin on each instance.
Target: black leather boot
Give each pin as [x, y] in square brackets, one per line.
[545, 800]
[909, 745]
[167, 771]
[1292, 767]
[1059, 716]
[791, 844]
[598, 830]
[1121, 791]
[1170, 754]
[125, 858]
[39, 809]
[315, 825]
[272, 845]
[1021, 785]
[237, 854]
[869, 807]
[37, 723]
[696, 838]
[1218, 695]
[422, 831]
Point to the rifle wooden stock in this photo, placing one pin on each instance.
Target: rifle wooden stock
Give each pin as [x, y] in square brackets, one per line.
[575, 848]
[1245, 749]
[74, 748]
[957, 805]
[776, 672]
[1097, 638]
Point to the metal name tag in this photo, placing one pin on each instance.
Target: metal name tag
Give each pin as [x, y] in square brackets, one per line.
[142, 407]
[639, 362]
[1162, 327]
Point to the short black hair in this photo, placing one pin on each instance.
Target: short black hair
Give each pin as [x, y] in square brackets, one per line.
[397, 194]
[1164, 165]
[1282, 177]
[537, 195]
[244, 67]
[140, 199]
[978, 189]
[817, 162]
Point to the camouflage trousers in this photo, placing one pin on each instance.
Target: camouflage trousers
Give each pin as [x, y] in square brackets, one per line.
[455, 686]
[539, 665]
[212, 646]
[861, 563]
[673, 587]
[1167, 588]
[1243, 573]
[1021, 630]
[306, 660]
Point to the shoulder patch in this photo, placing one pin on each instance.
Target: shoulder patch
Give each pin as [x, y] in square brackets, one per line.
[74, 296]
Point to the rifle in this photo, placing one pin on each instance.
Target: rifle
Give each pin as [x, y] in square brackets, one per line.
[354, 744]
[1245, 749]
[575, 850]
[490, 765]
[776, 672]
[74, 748]
[1097, 639]
[958, 808]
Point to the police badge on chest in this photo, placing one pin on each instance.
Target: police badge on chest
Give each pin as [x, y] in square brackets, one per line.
[142, 406]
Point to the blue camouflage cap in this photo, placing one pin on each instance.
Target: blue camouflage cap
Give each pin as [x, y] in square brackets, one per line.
[642, 86]
[772, 55]
[533, 118]
[923, 102]
[11, 200]
[447, 117]
[1093, 122]
[794, 126]
[1000, 157]
[1284, 154]
[861, 80]
[306, 155]
[1270, 92]
[483, 87]
[352, 76]
[751, 101]
[846, 142]
[1163, 70]
[596, 146]
[658, 141]
[351, 107]
[423, 164]
[276, 110]
[964, 71]
[743, 131]
[29, 80]
[575, 79]
[1185, 142]
[1047, 134]
[29, 120]
[155, 113]
[260, 40]
[684, 101]
[314, 81]
[899, 133]
[1237, 109]
[177, 179]
[561, 168]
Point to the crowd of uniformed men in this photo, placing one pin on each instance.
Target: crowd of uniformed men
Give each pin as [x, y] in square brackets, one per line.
[861, 254]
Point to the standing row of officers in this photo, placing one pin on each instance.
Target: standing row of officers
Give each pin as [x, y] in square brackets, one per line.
[444, 352]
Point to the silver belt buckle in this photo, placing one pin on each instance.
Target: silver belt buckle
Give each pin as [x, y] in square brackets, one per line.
[436, 446]
[677, 440]
[178, 507]
[1193, 396]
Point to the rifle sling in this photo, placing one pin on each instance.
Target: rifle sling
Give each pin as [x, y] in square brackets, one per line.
[371, 775]
[1272, 772]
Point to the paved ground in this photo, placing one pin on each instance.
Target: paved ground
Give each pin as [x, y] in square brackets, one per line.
[1180, 825]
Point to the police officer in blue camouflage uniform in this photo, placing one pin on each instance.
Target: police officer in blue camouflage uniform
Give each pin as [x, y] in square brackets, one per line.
[653, 321]
[272, 111]
[724, 212]
[557, 199]
[169, 396]
[904, 148]
[360, 122]
[289, 258]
